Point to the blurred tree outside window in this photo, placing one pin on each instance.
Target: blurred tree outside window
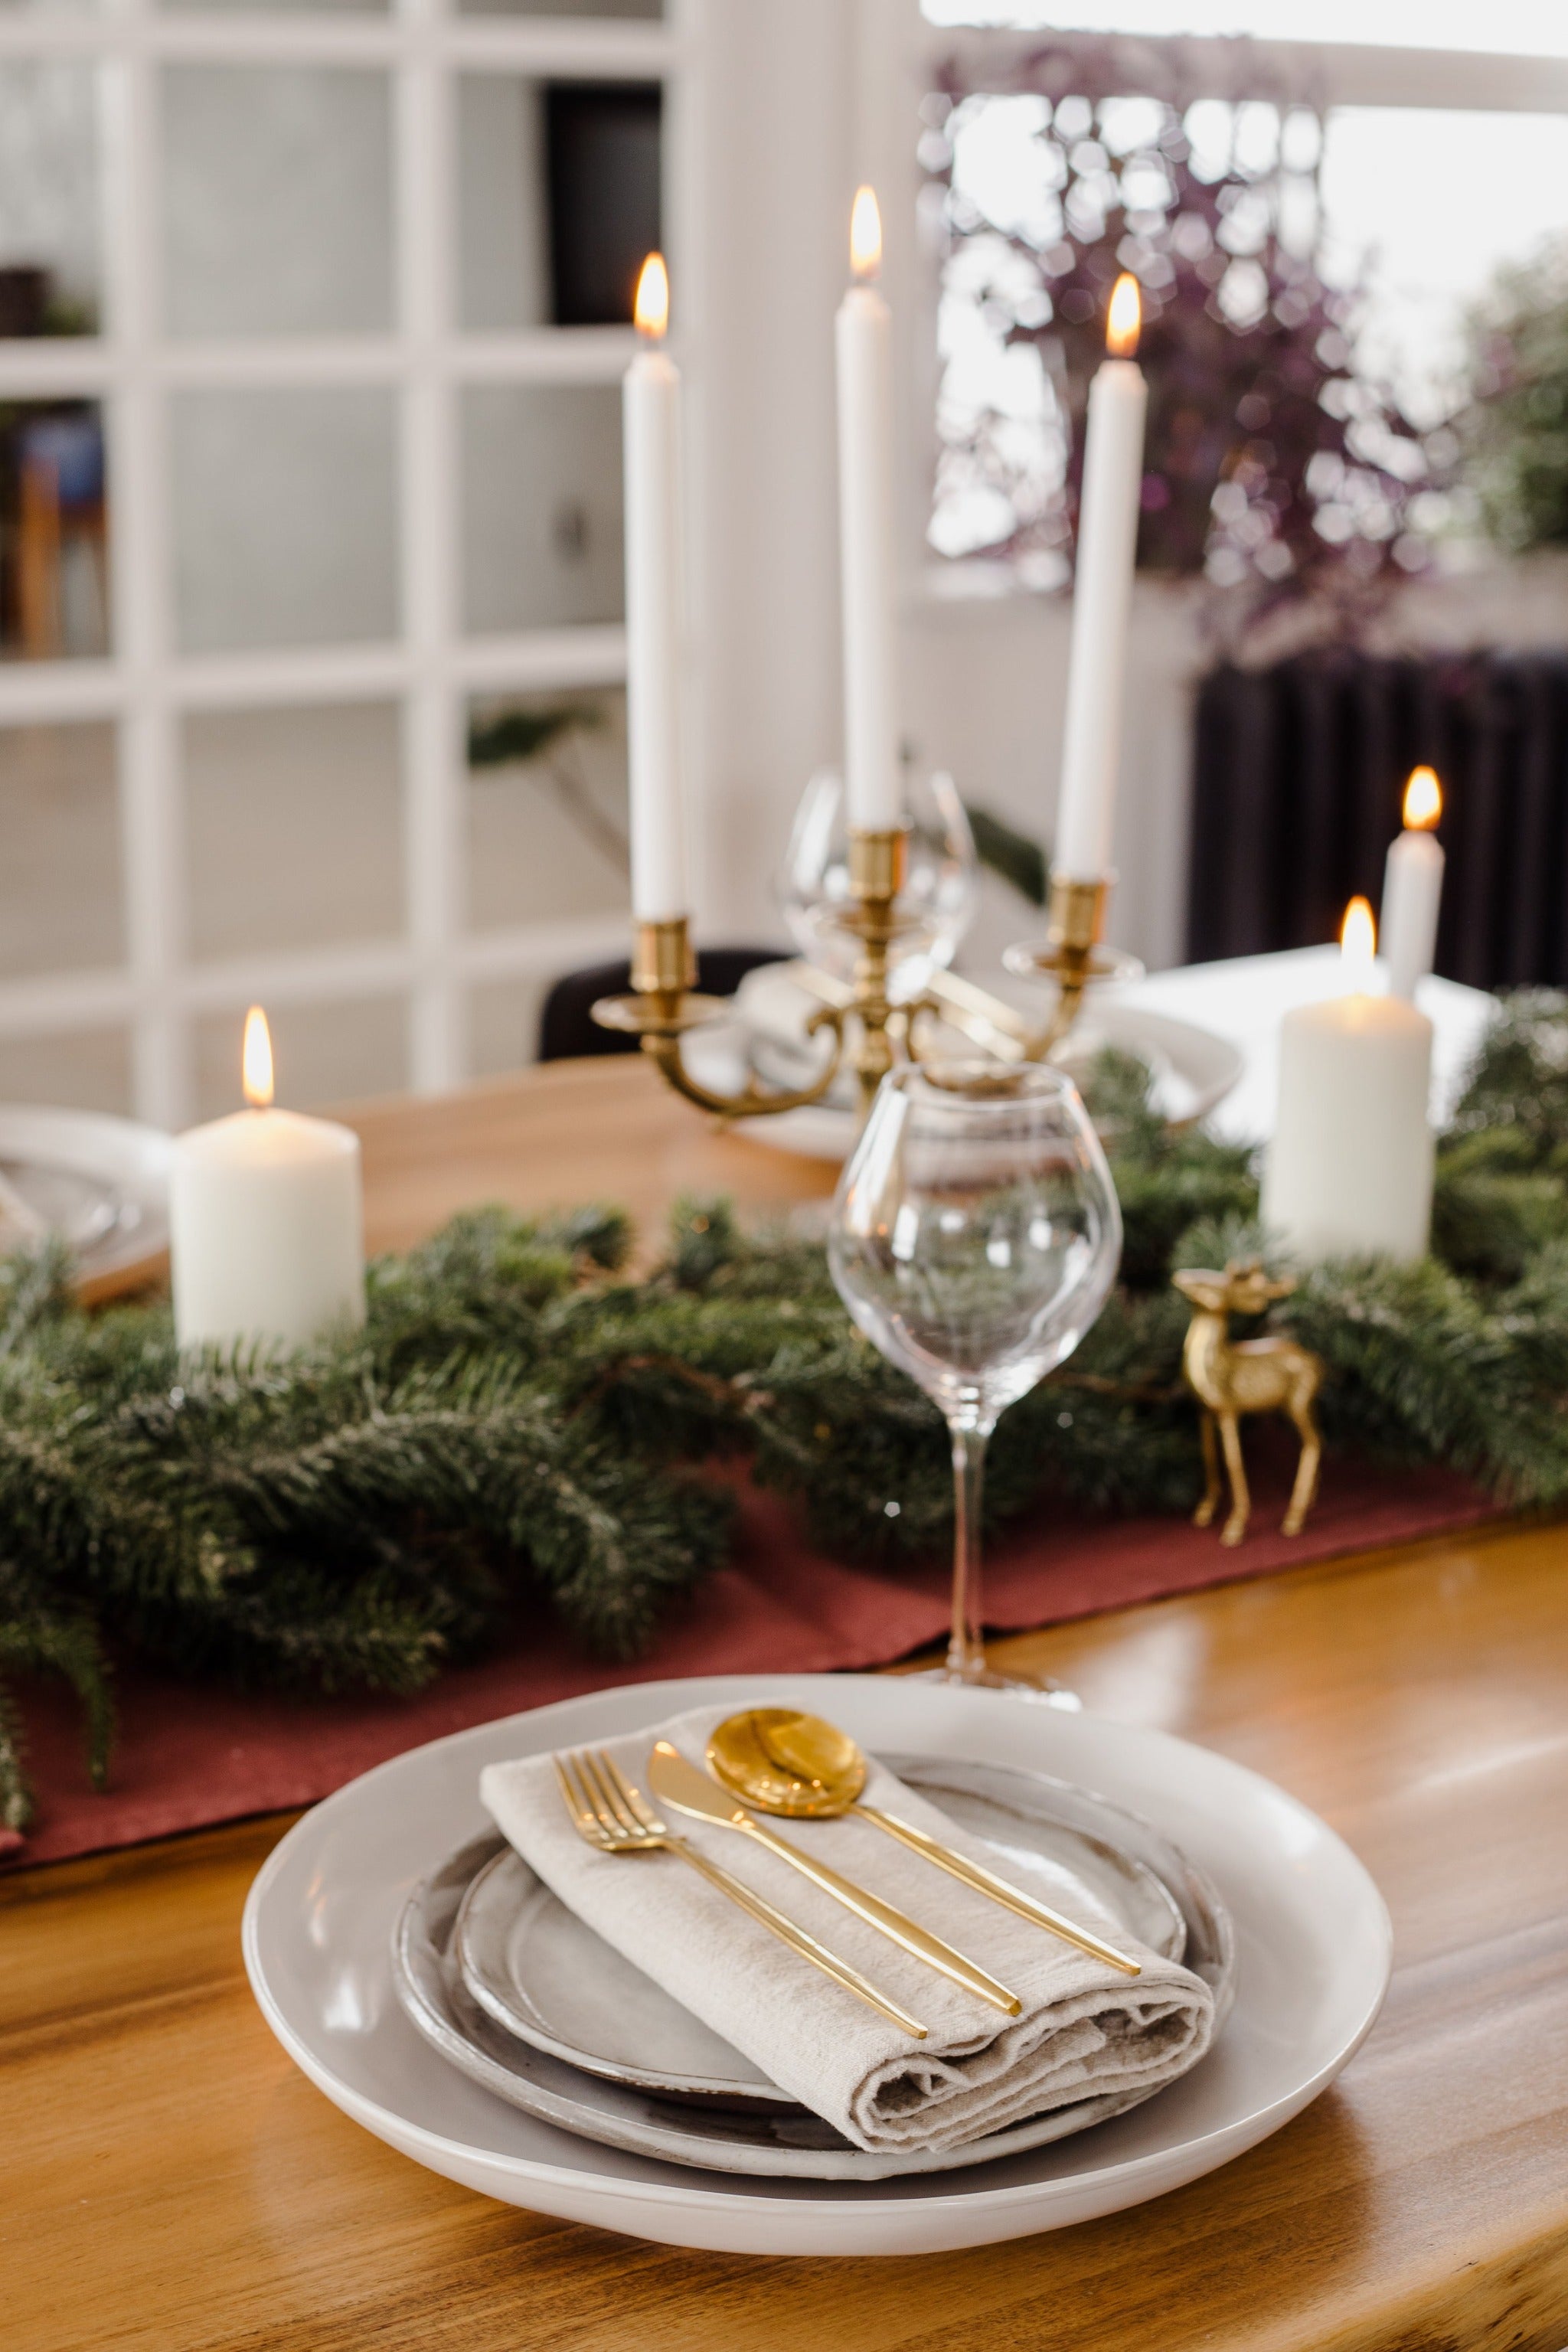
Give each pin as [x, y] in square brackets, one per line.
[1303, 279]
[1515, 428]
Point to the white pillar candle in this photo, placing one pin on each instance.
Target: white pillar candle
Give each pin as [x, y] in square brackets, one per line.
[1348, 1166]
[1413, 889]
[867, 547]
[1103, 594]
[650, 412]
[266, 1222]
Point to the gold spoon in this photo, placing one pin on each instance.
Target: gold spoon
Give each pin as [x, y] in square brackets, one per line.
[797, 1766]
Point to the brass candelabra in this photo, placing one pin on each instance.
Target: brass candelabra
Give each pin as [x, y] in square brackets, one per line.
[868, 1032]
[1073, 954]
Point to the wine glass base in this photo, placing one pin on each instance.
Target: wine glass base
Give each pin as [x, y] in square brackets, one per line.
[1040, 1688]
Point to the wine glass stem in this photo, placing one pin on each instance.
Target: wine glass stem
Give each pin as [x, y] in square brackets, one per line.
[966, 1650]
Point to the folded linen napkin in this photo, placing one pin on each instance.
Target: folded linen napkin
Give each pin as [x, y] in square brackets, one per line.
[1083, 2031]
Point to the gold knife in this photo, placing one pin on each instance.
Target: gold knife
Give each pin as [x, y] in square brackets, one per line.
[676, 1782]
[985, 1882]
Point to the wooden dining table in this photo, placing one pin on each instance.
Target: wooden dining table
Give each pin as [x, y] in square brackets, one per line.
[169, 2182]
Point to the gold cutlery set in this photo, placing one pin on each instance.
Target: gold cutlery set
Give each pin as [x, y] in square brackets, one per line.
[795, 1767]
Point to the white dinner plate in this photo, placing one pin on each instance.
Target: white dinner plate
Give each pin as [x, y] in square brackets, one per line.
[1190, 1070]
[101, 1184]
[1312, 1962]
[483, 1943]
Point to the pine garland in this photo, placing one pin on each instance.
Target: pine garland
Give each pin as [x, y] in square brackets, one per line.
[520, 1423]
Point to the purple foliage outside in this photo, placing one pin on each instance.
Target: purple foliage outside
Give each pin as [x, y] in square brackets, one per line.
[1272, 470]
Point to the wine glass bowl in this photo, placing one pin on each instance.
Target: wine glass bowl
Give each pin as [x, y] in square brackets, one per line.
[975, 1254]
[937, 899]
[974, 1237]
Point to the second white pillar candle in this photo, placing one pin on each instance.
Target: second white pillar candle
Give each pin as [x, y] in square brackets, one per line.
[1349, 1167]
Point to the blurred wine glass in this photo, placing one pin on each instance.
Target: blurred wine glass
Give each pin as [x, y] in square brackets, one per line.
[941, 886]
[975, 1236]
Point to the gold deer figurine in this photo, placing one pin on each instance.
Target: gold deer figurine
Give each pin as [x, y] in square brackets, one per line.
[1233, 1377]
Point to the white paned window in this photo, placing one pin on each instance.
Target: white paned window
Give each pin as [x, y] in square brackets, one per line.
[309, 492]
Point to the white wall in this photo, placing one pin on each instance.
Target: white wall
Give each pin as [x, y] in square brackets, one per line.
[984, 686]
[771, 187]
[801, 98]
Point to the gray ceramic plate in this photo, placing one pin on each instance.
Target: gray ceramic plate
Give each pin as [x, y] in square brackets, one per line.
[551, 2034]
[531, 1965]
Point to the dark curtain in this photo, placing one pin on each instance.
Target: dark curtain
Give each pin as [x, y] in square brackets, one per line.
[1299, 774]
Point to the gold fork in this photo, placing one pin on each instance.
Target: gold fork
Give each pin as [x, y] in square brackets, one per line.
[610, 1812]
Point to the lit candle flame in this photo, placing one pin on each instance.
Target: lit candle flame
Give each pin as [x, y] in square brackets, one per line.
[1422, 801]
[864, 234]
[257, 1059]
[1358, 944]
[651, 308]
[1124, 319]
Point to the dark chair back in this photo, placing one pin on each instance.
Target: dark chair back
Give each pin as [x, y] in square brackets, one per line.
[568, 1031]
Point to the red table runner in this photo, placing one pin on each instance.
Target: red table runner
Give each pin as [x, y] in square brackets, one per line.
[189, 1756]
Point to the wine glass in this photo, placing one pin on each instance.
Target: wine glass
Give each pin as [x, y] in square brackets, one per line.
[936, 903]
[975, 1236]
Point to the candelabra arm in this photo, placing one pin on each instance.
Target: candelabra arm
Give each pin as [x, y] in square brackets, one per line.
[664, 1006]
[1071, 955]
[964, 1005]
[753, 1101]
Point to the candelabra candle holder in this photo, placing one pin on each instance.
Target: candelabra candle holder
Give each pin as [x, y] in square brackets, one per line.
[1072, 954]
[664, 1003]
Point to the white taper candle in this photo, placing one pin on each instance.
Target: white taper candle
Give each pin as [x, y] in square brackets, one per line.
[873, 799]
[1103, 593]
[1413, 889]
[651, 424]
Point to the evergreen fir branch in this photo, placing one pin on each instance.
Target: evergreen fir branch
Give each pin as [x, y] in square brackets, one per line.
[1165, 1181]
[1518, 1082]
[520, 1426]
[1493, 1207]
[304, 1628]
[16, 1807]
[1419, 1368]
[1017, 856]
[40, 1635]
[522, 733]
[34, 1285]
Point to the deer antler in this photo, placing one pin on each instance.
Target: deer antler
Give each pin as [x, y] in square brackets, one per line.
[1250, 1270]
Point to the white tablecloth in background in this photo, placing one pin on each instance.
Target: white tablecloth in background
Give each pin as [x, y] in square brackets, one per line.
[1243, 999]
